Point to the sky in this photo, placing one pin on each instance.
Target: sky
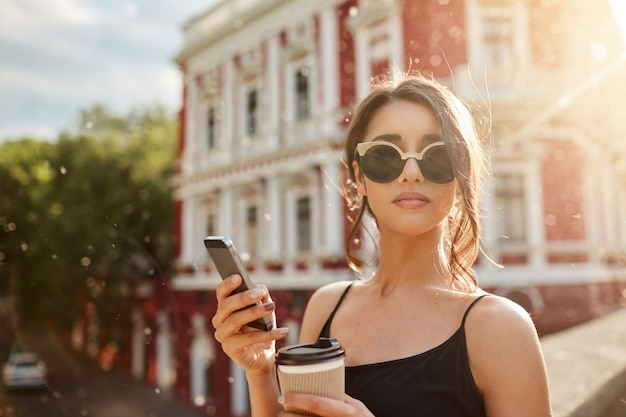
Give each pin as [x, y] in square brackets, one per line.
[58, 57]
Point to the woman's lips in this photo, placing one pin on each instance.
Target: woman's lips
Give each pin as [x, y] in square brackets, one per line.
[410, 200]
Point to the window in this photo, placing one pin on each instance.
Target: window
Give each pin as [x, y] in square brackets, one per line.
[510, 214]
[210, 224]
[210, 128]
[498, 36]
[303, 224]
[252, 231]
[303, 100]
[252, 112]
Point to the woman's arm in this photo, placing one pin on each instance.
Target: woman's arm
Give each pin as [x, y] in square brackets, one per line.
[506, 359]
[263, 391]
[250, 348]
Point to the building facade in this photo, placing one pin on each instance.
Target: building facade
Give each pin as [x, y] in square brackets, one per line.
[269, 86]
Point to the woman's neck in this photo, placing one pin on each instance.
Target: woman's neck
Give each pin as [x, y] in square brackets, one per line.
[412, 260]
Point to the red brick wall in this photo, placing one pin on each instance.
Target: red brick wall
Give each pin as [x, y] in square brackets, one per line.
[190, 302]
[434, 35]
[563, 168]
[567, 305]
[345, 49]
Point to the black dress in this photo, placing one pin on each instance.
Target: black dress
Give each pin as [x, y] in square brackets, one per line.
[435, 383]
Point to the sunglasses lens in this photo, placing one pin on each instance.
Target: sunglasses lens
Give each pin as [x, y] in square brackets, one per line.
[381, 164]
[436, 165]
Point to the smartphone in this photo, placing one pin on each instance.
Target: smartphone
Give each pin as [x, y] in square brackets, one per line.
[228, 262]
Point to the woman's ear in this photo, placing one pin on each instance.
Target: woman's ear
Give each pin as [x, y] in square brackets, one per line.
[360, 184]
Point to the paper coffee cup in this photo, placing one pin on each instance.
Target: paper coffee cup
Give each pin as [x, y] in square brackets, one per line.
[313, 368]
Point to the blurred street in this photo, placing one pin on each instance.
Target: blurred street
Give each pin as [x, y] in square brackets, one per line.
[77, 387]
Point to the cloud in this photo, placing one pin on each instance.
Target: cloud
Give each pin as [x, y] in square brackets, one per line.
[61, 56]
[28, 19]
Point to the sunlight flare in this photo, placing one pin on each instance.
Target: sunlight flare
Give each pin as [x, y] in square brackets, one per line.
[619, 12]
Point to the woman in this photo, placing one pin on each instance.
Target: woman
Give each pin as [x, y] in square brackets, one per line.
[421, 338]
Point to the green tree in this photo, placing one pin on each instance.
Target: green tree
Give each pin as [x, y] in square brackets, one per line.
[24, 176]
[101, 213]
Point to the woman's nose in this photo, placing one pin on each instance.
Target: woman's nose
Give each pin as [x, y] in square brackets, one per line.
[411, 171]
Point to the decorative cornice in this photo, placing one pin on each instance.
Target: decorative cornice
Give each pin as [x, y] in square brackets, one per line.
[245, 167]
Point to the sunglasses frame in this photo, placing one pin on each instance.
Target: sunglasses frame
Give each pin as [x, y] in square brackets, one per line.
[363, 147]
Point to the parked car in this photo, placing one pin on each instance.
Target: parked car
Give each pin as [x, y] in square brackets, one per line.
[24, 370]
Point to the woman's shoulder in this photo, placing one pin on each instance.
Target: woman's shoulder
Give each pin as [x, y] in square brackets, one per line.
[505, 357]
[500, 335]
[494, 313]
[320, 306]
[327, 297]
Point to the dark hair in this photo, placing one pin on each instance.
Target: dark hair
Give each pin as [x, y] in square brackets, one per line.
[462, 234]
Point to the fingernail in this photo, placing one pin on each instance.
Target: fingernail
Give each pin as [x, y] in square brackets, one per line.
[234, 279]
[283, 330]
[281, 399]
[269, 306]
[256, 293]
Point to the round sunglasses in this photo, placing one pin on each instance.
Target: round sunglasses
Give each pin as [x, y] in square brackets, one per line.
[383, 162]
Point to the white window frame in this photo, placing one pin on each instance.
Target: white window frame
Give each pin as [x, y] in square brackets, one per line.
[380, 26]
[506, 214]
[252, 239]
[478, 12]
[246, 111]
[299, 242]
[250, 195]
[208, 96]
[533, 246]
[209, 207]
[300, 53]
[301, 186]
[250, 78]
[211, 143]
[302, 114]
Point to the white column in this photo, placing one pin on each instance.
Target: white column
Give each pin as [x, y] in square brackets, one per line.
[273, 80]
[190, 122]
[396, 43]
[227, 109]
[332, 217]
[620, 186]
[592, 195]
[271, 221]
[609, 202]
[199, 230]
[533, 191]
[363, 67]
[290, 230]
[187, 231]
[521, 34]
[202, 355]
[473, 25]
[329, 64]
[164, 353]
[239, 394]
[621, 210]
[489, 231]
[224, 224]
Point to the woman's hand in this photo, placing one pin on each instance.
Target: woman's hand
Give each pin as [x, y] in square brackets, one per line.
[324, 407]
[250, 348]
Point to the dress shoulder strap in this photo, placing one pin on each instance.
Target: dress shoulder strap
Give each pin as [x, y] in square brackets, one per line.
[325, 332]
[470, 307]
